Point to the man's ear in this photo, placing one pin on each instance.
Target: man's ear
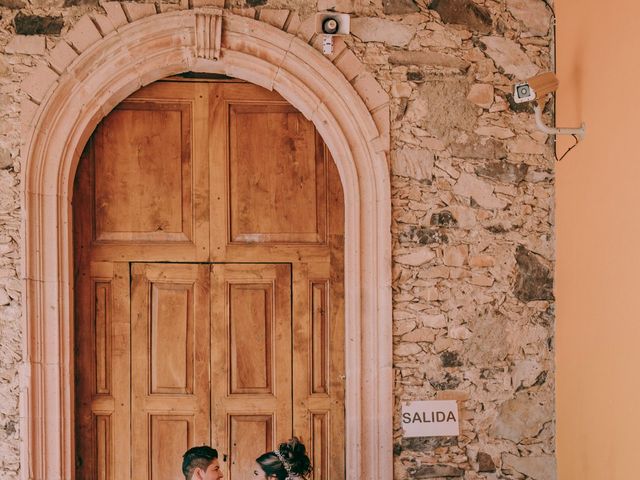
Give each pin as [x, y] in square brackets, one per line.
[198, 474]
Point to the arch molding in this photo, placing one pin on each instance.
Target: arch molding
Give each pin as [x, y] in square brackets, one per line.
[123, 58]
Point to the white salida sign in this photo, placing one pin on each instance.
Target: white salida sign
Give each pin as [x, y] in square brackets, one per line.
[430, 418]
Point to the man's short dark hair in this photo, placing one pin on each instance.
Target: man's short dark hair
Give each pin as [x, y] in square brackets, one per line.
[197, 457]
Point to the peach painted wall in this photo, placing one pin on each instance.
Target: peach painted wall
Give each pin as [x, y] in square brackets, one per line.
[598, 241]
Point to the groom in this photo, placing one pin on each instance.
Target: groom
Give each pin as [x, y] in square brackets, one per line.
[201, 463]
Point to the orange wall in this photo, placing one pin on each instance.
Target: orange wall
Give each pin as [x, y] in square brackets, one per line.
[598, 244]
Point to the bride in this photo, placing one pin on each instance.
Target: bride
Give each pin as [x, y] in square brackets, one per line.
[288, 462]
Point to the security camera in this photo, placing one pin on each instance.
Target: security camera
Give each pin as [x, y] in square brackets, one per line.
[331, 24]
[535, 90]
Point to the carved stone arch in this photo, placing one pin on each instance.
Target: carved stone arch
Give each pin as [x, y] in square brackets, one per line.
[125, 50]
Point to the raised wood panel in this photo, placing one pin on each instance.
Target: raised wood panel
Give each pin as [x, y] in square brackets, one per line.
[277, 176]
[172, 338]
[249, 436]
[104, 447]
[101, 371]
[171, 300]
[251, 346]
[171, 436]
[102, 320]
[142, 173]
[240, 417]
[319, 335]
[320, 445]
[318, 367]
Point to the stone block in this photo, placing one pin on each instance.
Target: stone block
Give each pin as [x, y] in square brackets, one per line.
[419, 256]
[420, 335]
[526, 145]
[274, 17]
[481, 94]
[345, 6]
[135, 11]
[464, 12]
[534, 281]
[5, 162]
[38, 24]
[103, 23]
[485, 463]
[38, 83]
[26, 44]
[509, 57]
[370, 91]
[494, 131]
[455, 255]
[436, 471]
[208, 3]
[61, 56]
[307, 29]
[479, 190]
[83, 34]
[541, 467]
[503, 171]
[349, 65]
[115, 14]
[245, 12]
[371, 29]
[28, 110]
[490, 149]
[294, 23]
[399, 7]
[5, 68]
[413, 163]
[12, 4]
[534, 15]
[405, 349]
[522, 417]
[382, 119]
[403, 57]
[481, 280]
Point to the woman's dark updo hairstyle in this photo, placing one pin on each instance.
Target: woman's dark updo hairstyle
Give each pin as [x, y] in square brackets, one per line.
[294, 454]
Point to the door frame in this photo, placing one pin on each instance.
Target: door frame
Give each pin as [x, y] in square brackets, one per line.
[115, 61]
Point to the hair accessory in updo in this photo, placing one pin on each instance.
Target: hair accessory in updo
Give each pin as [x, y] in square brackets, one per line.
[285, 464]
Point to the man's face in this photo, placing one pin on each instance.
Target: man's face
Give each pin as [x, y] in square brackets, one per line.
[213, 472]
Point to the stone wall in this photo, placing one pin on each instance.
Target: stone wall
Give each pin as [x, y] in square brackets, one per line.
[472, 195]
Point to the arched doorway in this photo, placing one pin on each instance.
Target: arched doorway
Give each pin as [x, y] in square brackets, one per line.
[208, 250]
[109, 70]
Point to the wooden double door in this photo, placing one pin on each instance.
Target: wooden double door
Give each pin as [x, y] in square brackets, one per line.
[208, 230]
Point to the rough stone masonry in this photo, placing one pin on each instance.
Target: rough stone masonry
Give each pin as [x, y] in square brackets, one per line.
[472, 196]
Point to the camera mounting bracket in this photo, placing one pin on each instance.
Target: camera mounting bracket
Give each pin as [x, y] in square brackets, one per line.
[578, 132]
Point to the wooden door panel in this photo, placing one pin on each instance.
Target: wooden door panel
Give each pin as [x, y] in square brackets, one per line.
[319, 431]
[143, 173]
[277, 179]
[250, 322]
[104, 447]
[249, 437]
[172, 338]
[101, 371]
[251, 310]
[171, 436]
[169, 365]
[149, 176]
[318, 366]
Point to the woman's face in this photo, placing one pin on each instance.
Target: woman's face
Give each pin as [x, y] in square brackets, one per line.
[258, 473]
